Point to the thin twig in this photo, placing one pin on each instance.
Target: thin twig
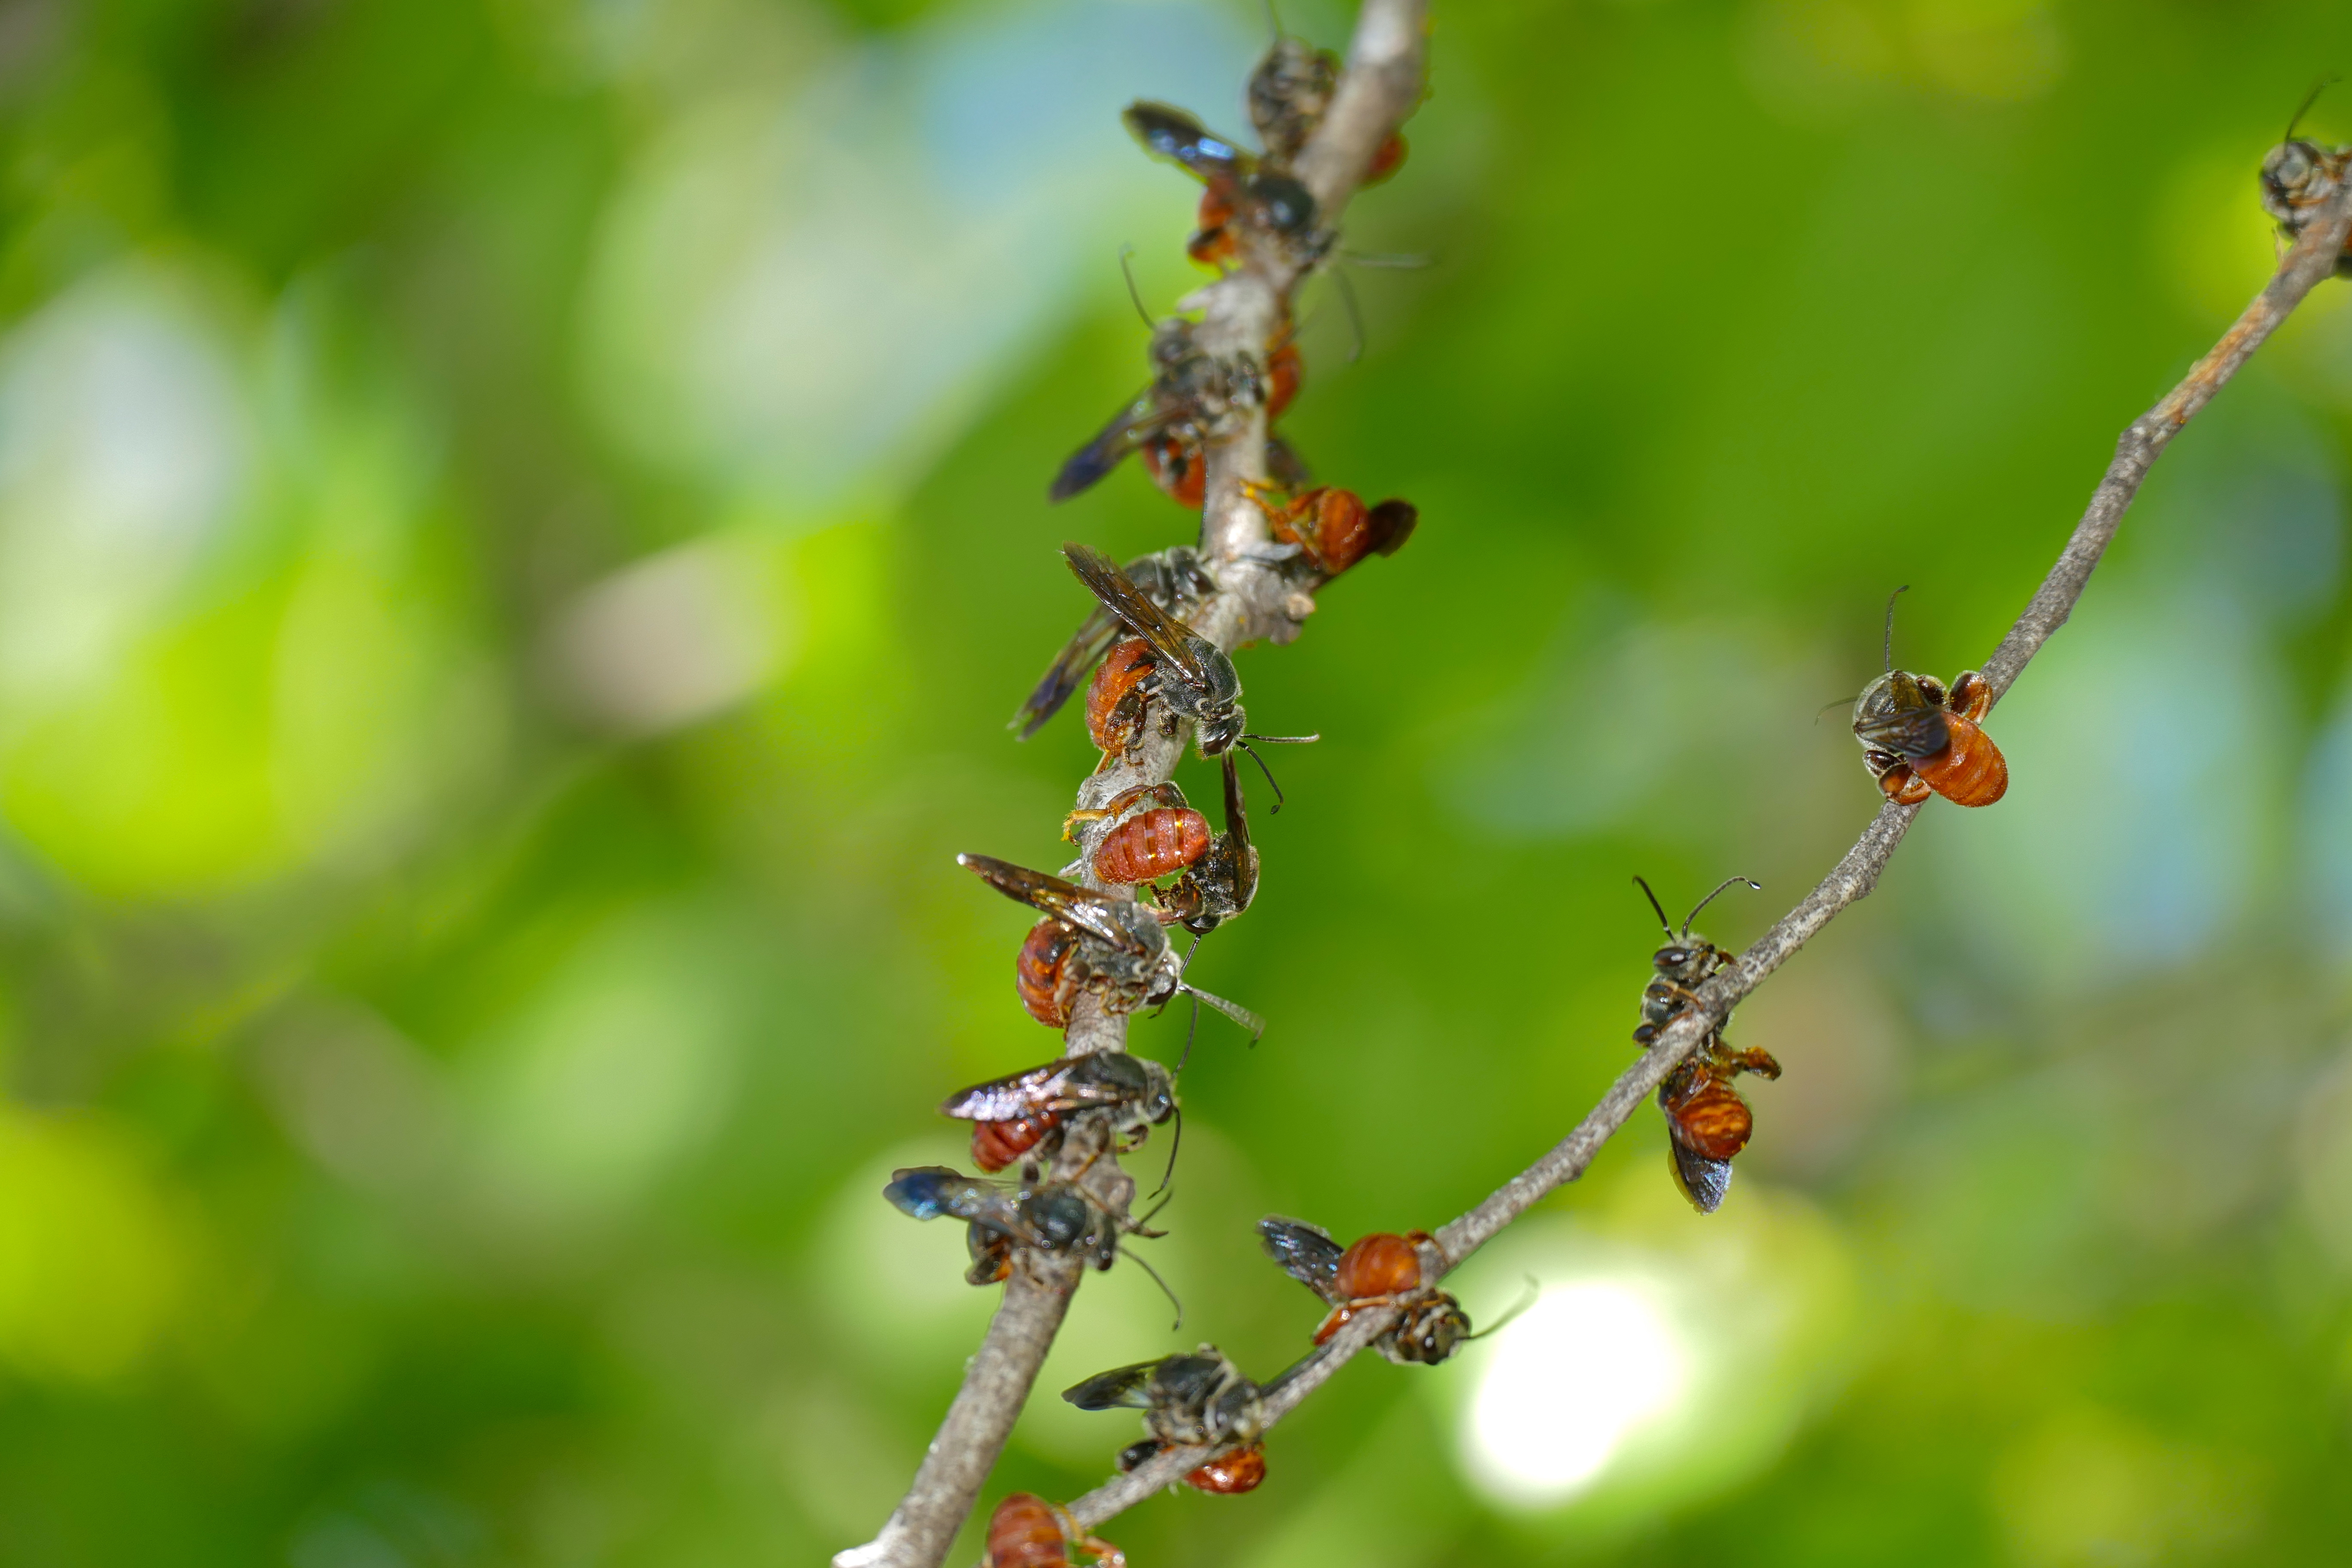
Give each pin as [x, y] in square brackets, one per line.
[2312, 259]
[1242, 314]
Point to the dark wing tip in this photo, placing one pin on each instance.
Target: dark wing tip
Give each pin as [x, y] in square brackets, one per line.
[1393, 522]
[1700, 1179]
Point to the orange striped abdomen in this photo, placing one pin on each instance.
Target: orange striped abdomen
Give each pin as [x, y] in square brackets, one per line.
[1122, 669]
[1380, 1264]
[996, 1144]
[1040, 972]
[1025, 1532]
[1229, 1474]
[1971, 771]
[1152, 844]
[1712, 1120]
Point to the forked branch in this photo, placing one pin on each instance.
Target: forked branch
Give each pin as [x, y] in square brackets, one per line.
[2312, 259]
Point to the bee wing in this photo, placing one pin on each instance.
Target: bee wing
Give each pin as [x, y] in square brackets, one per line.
[1177, 135]
[927, 1192]
[1391, 525]
[1305, 1252]
[1237, 829]
[1907, 731]
[1119, 595]
[1127, 429]
[1015, 1094]
[1701, 1180]
[1067, 672]
[1287, 468]
[1120, 1386]
[1081, 907]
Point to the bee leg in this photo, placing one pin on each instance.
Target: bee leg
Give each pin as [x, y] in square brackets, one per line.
[1903, 786]
[1971, 696]
[1071, 822]
[1754, 1059]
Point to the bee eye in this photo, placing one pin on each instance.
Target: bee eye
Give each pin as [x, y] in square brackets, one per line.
[1672, 957]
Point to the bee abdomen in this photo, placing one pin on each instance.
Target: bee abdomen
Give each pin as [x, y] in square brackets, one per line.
[1971, 771]
[1231, 1474]
[996, 1144]
[1714, 1121]
[1380, 1264]
[1040, 972]
[1152, 844]
[1122, 669]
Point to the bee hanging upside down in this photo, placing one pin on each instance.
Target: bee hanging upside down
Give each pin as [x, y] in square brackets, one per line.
[1919, 737]
[1706, 1121]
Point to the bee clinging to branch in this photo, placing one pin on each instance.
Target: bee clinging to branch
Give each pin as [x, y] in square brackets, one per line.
[1916, 736]
[1027, 1531]
[1092, 941]
[1200, 1400]
[1706, 1121]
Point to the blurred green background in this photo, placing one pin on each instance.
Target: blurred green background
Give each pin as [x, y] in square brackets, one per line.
[521, 526]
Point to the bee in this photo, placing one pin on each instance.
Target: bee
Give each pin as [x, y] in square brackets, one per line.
[1706, 1121]
[1200, 1400]
[1095, 942]
[1012, 1114]
[1333, 529]
[1027, 1531]
[2298, 177]
[1916, 736]
[1241, 191]
[1192, 676]
[1056, 1217]
[1219, 874]
[1193, 395]
[1289, 93]
[1175, 579]
[1381, 1271]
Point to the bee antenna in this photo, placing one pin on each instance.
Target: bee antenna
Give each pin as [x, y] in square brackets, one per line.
[1194, 1028]
[2321, 85]
[1273, 20]
[1710, 899]
[1138, 1262]
[1833, 704]
[1234, 1010]
[1127, 271]
[1528, 1297]
[1890, 624]
[1274, 784]
[1355, 314]
[1175, 1141]
[1655, 905]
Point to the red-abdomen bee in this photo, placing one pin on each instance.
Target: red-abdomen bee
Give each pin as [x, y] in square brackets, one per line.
[1027, 1531]
[1193, 677]
[1199, 1400]
[1094, 941]
[1238, 188]
[1219, 874]
[1381, 1271]
[1014, 1114]
[1193, 395]
[1706, 1121]
[1334, 529]
[1916, 736]
[1174, 579]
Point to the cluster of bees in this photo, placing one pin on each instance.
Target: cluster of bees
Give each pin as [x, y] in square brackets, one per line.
[1146, 671]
